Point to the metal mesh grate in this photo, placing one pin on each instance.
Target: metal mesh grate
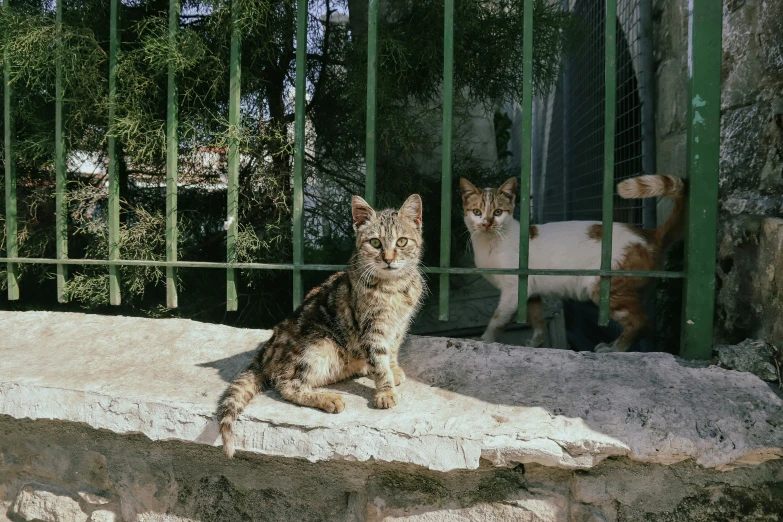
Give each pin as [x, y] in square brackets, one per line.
[569, 173]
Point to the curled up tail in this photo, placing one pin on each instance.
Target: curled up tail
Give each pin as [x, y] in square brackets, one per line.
[236, 397]
[655, 186]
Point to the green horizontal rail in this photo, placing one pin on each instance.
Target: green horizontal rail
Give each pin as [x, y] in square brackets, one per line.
[292, 266]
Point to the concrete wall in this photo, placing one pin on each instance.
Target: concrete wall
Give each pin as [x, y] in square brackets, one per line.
[751, 166]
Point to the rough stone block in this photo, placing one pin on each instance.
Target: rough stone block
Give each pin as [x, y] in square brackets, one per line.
[34, 503]
[464, 400]
[582, 513]
[103, 515]
[750, 274]
[754, 356]
[533, 505]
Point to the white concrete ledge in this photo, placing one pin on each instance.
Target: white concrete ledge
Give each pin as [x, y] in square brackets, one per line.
[463, 401]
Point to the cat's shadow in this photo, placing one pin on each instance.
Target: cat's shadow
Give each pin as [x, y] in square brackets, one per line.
[229, 368]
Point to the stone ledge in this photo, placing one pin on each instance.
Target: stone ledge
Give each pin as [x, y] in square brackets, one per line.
[464, 400]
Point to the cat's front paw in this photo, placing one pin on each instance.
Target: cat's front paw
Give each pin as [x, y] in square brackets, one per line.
[386, 399]
[331, 403]
[605, 348]
[399, 375]
[488, 337]
[538, 340]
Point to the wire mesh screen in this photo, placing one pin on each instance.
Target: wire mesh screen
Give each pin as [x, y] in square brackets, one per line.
[568, 176]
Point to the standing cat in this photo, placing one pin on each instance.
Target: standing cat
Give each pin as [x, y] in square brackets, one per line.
[353, 324]
[570, 245]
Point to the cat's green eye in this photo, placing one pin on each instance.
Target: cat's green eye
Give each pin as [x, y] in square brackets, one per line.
[402, 241]
[375, 242]
[476, 212]
[498, 212]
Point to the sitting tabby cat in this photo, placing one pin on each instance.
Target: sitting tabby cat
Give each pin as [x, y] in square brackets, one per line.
[570, 245]
[353, 324]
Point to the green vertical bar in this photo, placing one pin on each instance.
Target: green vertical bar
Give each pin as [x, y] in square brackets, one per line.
[609, 124]
[233, 157]
[703, 149]
[60, 173]
[372, 73]
[114, 178]
[445, 195]
[526, 163]
[299, 145]
[172, 152]
[11, 239]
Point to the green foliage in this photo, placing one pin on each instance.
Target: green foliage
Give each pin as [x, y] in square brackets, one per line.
[488, 51]
[503, 126]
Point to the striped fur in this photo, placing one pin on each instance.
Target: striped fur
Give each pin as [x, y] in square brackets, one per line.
[353, 324]
[570, 245]
[659, 186]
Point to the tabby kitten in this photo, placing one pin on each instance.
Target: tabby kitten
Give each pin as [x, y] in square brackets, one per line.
[353, 324]
[570, 245]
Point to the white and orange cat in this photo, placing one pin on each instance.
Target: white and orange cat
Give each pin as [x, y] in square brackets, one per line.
[570, 245]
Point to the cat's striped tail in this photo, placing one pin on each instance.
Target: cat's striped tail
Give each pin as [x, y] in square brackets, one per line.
[650, 186]
[236, 397]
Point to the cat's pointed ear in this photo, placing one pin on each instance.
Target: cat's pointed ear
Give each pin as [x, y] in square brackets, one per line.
[467, 188]
[362, 212]
[412, 209]
[509, 188]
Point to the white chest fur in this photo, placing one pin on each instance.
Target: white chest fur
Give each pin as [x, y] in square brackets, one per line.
[560, 245]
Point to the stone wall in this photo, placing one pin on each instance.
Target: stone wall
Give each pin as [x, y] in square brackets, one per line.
[112, 419]
[751, 163]
[65, 472]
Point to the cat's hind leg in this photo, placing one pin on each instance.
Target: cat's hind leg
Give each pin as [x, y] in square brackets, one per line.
[299, 393]
[317, 364]
[535, 316]
[630, 314]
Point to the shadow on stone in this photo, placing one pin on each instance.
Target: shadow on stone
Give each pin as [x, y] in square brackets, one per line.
[229, 367]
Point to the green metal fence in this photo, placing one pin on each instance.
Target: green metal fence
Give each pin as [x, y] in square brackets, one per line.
[704, 61]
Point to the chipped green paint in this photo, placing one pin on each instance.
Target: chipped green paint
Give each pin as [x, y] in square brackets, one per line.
[703, 149]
